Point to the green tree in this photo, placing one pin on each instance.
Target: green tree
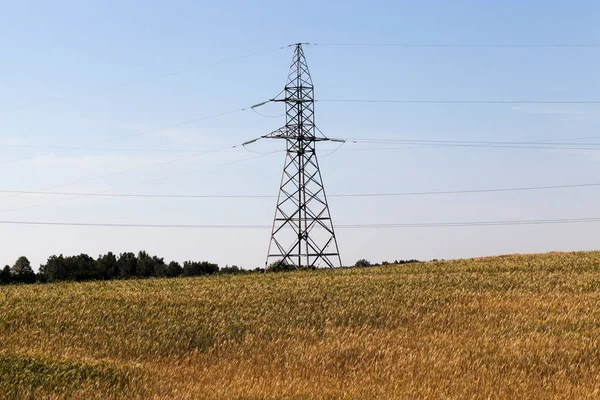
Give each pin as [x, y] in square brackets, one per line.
[150, 266]
[145, 265]
[75, 268]
[174, 269]
[195, 268]
[54, 269]
[234, 269]
[280, 266]
[22, 271]
[127, 265]
[160, 267]
[83, 268]
[362, 263]
[5, 275]
[107, 266]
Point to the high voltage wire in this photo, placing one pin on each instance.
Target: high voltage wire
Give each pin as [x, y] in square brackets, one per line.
[196, 170]
[407, 45]
[443, 192]
[553, 142]
[342, 226]
[117, 149]
[136, 82]
[104, 192]
[127, 136]
[120, 173]
[128, 170]
[355, 140]
[465, 45]
[181, 71]
[544, 145]
[449, 101]
[380, 194]
[433, 146]
[559, 142]
[556, 144]
[478, 223]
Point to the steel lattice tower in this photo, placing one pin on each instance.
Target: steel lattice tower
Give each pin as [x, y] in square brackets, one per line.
[302, 233]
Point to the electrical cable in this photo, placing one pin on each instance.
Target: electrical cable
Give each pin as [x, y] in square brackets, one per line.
[234, 196]
[334, 150]
[194, 171]
[127, 136]
[104, 192]
[434, 141]
[548, 145]
[341, 226]
[414, 101]
[423, 146]
[466, 45]
[126, 84]
[128, 170]
[258, 152]
[476, 223]
[267, 116]
[118, 149]
[422, 143]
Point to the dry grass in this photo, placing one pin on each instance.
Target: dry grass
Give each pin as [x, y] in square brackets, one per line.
[499, 327]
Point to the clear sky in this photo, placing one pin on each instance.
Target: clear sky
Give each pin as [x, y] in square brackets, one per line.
[57, 49]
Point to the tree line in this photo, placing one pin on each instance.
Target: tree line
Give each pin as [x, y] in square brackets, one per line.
[129, 265]
[108, 266]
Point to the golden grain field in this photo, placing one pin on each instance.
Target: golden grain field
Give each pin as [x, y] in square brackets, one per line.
[519, 326]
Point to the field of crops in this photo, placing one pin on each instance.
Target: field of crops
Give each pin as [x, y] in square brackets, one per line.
[522, 326]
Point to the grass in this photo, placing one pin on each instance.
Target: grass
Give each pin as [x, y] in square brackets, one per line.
[518, 326]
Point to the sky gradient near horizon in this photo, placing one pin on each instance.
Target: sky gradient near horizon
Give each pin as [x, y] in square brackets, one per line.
[57, 50]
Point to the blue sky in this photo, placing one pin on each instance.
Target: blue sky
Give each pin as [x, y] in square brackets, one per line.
[58, 49]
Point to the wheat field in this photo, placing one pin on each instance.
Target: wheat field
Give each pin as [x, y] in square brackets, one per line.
[517, 326]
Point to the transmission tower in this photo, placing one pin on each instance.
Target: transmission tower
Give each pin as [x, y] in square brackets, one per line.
[302, 233]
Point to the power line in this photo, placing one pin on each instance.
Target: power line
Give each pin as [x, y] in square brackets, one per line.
[444, 192]
[425, 146]
[126, 225]
[416, 101]
[489, 146]
[129, 170]
[186, 173]
[553, 142]
[547, 145]
[267, 116]
[479, 223]
[561, 142]
[136, 82]
[117, 149]
[238, 196]
[104, 192]
[347, 226]
[142, 195]
[334, 150]
[128, 136]
[110, 175]
[458, 45]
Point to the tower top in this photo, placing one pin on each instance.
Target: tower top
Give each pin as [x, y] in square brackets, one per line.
[299, 75]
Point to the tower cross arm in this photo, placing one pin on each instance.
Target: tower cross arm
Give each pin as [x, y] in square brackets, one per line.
[283, 133]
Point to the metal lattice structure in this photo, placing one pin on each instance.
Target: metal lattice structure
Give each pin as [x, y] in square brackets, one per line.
[303, 233]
